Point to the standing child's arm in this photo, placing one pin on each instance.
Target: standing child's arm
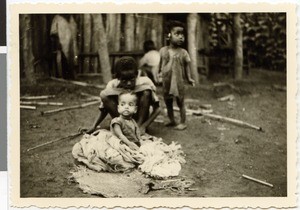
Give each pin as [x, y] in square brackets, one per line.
[118, 132]
[188, 69]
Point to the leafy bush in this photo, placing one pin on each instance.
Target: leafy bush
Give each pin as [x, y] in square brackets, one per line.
[264, 37]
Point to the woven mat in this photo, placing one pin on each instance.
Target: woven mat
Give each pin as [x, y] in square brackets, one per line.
[128, 185]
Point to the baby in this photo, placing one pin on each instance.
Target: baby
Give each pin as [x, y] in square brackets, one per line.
[124, 126]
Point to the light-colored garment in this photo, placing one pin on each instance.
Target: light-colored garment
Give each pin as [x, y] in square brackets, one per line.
[141, 84]
[129, 128]
[66, 30]
[105, 152]
[150, 58]
[173, 70]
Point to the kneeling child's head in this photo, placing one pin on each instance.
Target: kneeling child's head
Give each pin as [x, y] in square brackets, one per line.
[126, 72]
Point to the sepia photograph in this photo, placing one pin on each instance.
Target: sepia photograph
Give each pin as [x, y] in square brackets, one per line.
[171, 104]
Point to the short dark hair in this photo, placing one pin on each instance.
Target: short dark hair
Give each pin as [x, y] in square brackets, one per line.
[149, 45]
[174, 23]
[125, 63]
[128, 92]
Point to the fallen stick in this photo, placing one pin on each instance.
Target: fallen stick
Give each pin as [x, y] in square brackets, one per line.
[220, 84]
[84, 84]
[90, 75]
[227, 98]
[27, 107]
[70, 107]
[227, 119]
[257, 180]
[53, 141]
[194, 112]
[90, 96]
[36, 97]
[41, 103]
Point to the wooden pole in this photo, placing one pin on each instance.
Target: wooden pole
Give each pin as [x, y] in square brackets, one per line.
[69, 108]
[36, 97]
[28, 107]
[231, 120]
[192, 24]
[84, 84]
[257, 180]
[238, 46]
[95, 40]
[129, 32]
[102, 48]
[53, 141]
[41, 103]
[27, 47]
[87, 41]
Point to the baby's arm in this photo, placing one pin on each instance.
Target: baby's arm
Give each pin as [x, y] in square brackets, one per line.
[118, 131]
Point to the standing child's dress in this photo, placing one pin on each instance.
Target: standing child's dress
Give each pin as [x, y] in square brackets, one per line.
[173, 70]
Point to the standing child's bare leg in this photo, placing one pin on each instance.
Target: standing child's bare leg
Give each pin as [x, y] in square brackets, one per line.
[170, 111]
[180, 103]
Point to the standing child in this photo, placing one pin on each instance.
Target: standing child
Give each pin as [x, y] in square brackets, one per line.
[150, 61]
[127, 79]
[124, 126]
[174, 67]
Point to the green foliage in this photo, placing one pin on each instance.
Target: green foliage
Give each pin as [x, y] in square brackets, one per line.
[264, 37]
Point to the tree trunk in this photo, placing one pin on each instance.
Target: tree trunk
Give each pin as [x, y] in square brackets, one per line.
[192, 23]
[95, 40]
[87, 41]
[113, 31]
[238, 47]
[102, 48]
[26, 40]
[129, 32]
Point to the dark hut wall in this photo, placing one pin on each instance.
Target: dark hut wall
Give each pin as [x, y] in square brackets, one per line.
[125, 33]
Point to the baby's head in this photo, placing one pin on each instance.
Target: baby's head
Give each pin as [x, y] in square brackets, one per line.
[126, 72]
[149, 45]
[176, 33]
[127, 104]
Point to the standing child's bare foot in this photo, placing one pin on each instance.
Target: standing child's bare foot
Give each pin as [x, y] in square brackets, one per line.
[170, 124]
[180, 126]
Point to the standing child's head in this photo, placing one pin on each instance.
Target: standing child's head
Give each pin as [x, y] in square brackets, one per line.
[126, 72]
[127, 104]
[176, 33]
[149, 45]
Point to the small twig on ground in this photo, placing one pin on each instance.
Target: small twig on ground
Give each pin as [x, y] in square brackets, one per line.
[41, 103]
[36, 97]
[257, 180]
[279, 87]
[56, 140]
[70, 107]
[220, 84]
[84, 84]
[27, 107]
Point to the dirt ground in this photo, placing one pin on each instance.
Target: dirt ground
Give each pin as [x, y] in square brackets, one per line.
[217, 153]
